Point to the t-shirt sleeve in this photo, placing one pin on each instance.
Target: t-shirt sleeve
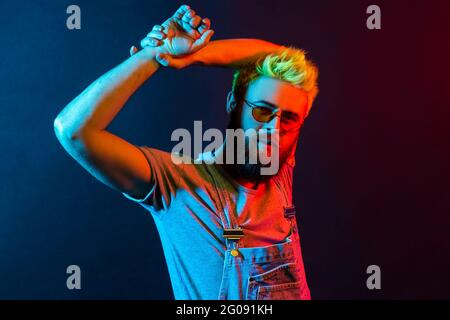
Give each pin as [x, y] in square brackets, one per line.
[166, 174]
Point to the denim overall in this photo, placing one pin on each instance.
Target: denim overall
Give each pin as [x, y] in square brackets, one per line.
[273, 272]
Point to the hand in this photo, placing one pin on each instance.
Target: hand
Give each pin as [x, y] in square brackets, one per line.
[178, 37]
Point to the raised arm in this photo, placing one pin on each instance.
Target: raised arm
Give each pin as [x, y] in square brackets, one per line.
[81, 127]
[230, 53]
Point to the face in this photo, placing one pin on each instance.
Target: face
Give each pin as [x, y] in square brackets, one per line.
[287, 101]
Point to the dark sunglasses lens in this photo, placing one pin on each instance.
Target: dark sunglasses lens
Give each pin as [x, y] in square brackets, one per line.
[262, 114]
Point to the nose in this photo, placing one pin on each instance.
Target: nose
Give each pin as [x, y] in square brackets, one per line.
[273, 124]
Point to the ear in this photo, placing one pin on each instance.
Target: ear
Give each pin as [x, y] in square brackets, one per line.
[291, 158]
[309, 105]
[231, 102]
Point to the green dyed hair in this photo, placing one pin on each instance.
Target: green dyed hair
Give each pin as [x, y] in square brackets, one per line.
[287, 64]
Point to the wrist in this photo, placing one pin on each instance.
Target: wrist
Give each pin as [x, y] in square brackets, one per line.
[148, 54]
[190, 60]
[199, 57]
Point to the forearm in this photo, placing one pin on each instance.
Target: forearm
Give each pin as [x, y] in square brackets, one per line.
[233, 53]
[98, 104]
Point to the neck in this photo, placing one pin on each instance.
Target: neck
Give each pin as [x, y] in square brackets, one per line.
[233, 170]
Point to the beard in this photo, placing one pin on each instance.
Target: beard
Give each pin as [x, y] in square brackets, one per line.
[252, 170]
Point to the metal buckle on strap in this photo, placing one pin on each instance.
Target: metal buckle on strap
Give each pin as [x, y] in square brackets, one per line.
[233, 234]
[289, 212]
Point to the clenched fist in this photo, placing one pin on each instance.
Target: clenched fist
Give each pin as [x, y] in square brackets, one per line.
[179, 36]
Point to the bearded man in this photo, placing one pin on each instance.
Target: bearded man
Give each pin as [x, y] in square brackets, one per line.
[228, 231]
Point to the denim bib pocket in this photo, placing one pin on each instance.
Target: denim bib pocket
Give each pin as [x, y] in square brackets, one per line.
[283, 282]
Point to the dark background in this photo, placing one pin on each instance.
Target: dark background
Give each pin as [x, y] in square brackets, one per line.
[372, 175]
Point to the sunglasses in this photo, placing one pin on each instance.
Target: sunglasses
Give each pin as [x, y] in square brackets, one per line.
[289, 122]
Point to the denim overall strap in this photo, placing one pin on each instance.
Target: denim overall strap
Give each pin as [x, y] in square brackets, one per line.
[259, 272]
[227, 217]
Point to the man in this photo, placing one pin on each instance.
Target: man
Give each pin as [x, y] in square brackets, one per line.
[228, 231]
